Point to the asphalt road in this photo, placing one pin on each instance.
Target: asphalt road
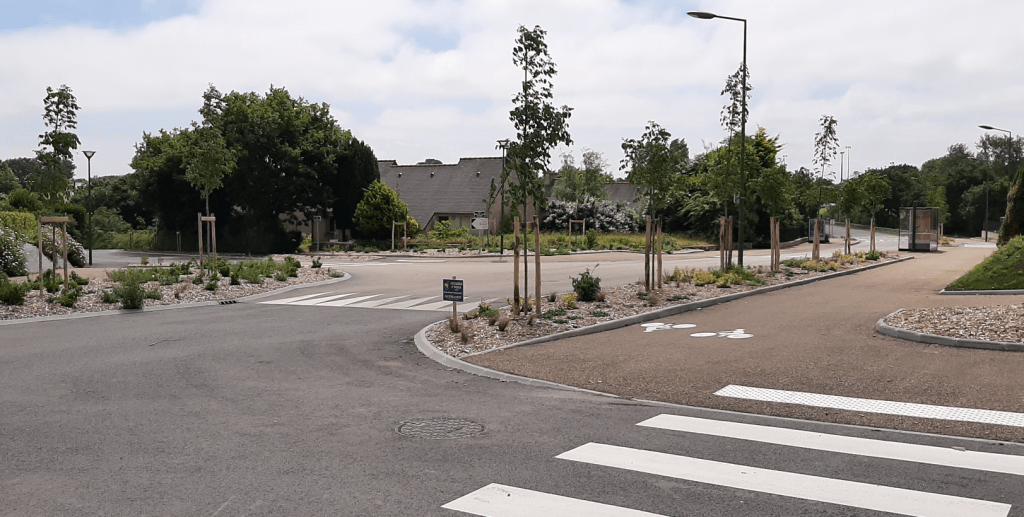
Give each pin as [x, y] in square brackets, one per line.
[262, 409]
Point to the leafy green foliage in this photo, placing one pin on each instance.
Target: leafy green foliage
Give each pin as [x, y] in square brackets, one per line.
[576, 184]
[652, 166]
[13, 293]
[540, 127]
[591, 239]
[8, 181]
[444, 232]
[586, 286]
[23, 200]
[57, 144]
[378, 210]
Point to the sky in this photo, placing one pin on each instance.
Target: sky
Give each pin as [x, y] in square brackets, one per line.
[435, 79]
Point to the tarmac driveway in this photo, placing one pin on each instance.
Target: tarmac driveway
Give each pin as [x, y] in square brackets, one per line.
[818, 338]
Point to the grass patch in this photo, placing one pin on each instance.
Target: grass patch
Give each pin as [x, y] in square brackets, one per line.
[1003, 270]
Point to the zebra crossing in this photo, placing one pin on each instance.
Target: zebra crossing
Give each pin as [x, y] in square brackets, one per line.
[499, 500]
[376, 301]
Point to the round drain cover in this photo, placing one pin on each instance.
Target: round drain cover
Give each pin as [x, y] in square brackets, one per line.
[440, 428]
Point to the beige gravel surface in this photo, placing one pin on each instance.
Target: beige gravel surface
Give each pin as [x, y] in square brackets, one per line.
[817, 338]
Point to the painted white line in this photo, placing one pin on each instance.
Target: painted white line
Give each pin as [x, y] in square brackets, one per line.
[984, 416]
[405, 261]
[802, 486]
[285, 301]
[375, 303]
[317, 301]
[342, 303]
[993, 246]
[433, 306]
[406, 304]
[947, 457]
[496, 500]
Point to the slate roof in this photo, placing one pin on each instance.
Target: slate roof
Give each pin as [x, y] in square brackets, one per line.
[442, 189]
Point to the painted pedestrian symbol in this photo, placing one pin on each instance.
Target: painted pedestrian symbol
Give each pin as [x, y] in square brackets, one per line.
[729, 334]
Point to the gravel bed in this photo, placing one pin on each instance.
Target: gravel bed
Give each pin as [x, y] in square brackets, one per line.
[995, 323]
[182, 292]
[478, 334]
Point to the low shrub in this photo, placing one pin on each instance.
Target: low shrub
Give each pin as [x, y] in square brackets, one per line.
[316, 264]
[569, 300]
[872, 255]
[552, 313]
[701, 277]
[586, 286]
[13, 293]
[12, 257]
[131, 294]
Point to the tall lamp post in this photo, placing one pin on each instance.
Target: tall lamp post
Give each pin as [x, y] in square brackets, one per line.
[503, 144]
[1007, 131]
[88, 213]
[849, 167]
[703, 15]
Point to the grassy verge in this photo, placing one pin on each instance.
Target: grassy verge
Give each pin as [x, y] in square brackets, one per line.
[550, 243]
[1003, 270]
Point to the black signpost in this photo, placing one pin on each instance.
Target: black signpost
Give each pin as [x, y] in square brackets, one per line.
[452, 291]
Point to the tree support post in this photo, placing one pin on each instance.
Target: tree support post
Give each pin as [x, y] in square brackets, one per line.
[515, 267]
[815, 253]
[849, 245]
[536, 249]
[647, 257]
[660, 242]
[872, 234]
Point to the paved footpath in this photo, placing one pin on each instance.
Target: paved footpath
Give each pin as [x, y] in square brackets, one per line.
[816, 340]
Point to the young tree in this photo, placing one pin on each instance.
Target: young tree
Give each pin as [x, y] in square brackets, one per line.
[733, 113]
[540, 126]
[576, 184]
[652, 167]
[825, 144]
[8, 181]
[57, 144]
[208, 161]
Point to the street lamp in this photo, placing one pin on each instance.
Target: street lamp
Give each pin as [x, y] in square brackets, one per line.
[849, 168]
[842, 161]
[703, 15]
[503, 144]
[88, 213]
[1007, 131]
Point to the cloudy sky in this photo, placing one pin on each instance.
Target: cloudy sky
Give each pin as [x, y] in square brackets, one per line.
[434, 79]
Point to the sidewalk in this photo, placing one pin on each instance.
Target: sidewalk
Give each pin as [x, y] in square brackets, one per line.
[818, 338]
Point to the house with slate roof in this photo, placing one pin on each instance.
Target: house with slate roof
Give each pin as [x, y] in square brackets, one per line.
[446, 192]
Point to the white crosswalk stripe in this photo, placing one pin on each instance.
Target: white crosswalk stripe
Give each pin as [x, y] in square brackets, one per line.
[375, 301]
[497, 500]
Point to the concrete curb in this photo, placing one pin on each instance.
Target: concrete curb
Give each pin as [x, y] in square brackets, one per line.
[991, 292]
[114, 312]
[888, 330]
[427, 348]
[679, 309]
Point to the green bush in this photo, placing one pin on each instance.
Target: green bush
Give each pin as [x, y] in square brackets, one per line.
[110, 297]
[872, 255]
[79, 280]
[131, 294]
[443, 231]
[23, 223]
[12, 293]
[70, 296]
[378, 210]
[586, 286]
[591, 239]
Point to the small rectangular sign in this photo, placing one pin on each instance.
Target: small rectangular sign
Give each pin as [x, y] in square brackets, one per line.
[479, 223]
[452, 290]
[53, 219]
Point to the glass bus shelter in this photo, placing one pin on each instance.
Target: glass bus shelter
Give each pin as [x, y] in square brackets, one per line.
[919, 229]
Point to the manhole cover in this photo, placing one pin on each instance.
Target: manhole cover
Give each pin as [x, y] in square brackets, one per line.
[440, 428]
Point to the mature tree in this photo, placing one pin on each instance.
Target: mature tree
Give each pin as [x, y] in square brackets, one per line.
[208, 161]
[57, 144]
[120, 194]
[379, 209]
[587, 181]
[291, 158]
[24, 169]
[8, 181]
[540, 126]
[652, 167]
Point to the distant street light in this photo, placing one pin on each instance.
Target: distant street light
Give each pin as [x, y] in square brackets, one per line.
[88, 213]
[703, 15]
[1007, 131]
[503, 144]
[842, 161]
[849, 168]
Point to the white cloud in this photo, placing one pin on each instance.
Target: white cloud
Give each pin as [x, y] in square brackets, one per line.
[904, 80]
